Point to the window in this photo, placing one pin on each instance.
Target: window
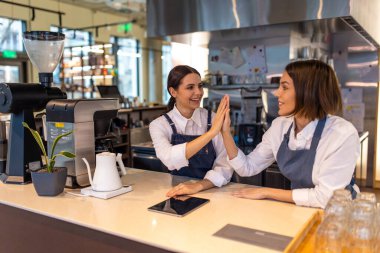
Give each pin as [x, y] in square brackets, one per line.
[166, 67]
[73, 38]
[128, 66]
[11, 34]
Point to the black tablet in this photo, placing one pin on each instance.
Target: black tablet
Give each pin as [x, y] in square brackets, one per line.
[178, 206]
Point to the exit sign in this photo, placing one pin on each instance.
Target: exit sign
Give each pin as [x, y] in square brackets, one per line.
[9, 54]
[127, 27]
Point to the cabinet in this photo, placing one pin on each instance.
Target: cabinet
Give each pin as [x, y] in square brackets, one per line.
[85, 67]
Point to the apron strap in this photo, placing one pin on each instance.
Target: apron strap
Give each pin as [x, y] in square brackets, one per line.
[318, 133]
[171, 123]
[350, 187]
[286, 135]
[208, 120]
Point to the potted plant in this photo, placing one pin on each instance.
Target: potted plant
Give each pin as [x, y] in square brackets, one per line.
[49, 180]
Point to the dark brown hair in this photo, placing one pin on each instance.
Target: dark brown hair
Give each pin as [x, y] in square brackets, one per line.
[317, 89]
[174, 80]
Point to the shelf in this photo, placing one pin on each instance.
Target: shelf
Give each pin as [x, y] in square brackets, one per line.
[140, 109]
[92, 76]
[108, 66]
[114, 135]
[119, 145]
[241, 86]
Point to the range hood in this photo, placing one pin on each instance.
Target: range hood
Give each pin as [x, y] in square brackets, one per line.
[174, 17]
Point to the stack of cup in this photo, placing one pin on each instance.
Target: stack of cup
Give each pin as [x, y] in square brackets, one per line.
[349, 225]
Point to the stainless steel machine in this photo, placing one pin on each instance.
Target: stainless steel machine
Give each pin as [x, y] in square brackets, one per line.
[89, 119]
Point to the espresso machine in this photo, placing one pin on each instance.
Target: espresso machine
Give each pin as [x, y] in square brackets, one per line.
[89, 120]
[22, 99]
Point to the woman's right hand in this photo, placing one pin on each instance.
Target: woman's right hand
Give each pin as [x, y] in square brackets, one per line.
[226, 128]
[220, 115]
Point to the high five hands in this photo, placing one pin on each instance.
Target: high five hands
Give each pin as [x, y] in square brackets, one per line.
[222, 115]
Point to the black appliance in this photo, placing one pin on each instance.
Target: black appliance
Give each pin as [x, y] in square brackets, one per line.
[249, 136]
[110, 91]
[144, 157]
[21, 100]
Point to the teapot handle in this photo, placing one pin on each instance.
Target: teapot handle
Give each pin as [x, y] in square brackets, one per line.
[121, 164]
[88, 170]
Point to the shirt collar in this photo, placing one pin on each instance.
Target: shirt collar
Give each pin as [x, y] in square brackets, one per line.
[182, 121]
[308, 131]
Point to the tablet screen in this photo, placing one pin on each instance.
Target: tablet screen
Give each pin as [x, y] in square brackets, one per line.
[179, 206]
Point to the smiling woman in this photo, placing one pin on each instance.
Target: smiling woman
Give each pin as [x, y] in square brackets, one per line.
[313, 147]
[184, 138]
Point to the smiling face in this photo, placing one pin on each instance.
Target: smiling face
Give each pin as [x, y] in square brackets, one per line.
[188, 95]
[286, 95]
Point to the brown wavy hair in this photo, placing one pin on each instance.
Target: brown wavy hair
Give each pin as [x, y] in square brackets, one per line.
[317, 89]
[174, 80]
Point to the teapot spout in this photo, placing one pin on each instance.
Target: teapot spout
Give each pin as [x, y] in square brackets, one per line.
[88, 170]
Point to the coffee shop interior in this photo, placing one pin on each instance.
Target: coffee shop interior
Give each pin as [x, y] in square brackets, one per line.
[109, 81]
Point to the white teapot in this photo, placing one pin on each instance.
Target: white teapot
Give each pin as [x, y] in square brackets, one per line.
[106, 175]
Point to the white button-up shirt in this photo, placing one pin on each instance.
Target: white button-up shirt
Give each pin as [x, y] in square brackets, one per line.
[335, 158]
[173, 156]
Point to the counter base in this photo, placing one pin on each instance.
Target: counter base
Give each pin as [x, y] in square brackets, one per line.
[24, 231]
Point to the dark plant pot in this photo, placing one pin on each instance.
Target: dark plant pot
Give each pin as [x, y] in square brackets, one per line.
[49, 184]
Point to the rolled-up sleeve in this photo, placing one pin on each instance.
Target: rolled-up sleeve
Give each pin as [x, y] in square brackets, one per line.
[221, 172]
[256, 161]
[173, 156]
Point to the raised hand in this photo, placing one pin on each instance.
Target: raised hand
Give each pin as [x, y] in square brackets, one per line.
[227, 119]
[219, 116]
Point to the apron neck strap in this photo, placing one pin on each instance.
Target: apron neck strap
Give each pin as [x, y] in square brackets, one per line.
[171, 123]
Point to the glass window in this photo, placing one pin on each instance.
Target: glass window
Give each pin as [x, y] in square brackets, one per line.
[166, 67]
[128, 65]
[11, 34]
[73, 38]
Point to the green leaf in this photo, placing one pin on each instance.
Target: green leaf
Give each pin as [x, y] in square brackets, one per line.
[56, 141]
[38, 139]
[51, 166]
[67, 154]
[64, 154]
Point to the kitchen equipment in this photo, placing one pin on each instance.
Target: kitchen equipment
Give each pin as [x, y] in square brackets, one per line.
[106, 176]
[270, 105]
[89, 119]
[21, 100]
[3, 142]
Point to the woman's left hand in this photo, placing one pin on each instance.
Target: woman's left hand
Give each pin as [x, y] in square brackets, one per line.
[185, 188]
[252, 193]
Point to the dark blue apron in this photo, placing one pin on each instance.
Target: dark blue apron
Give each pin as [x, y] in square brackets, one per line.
[199, 163]
[297, 165]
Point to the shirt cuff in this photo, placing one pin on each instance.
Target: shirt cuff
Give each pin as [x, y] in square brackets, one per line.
[301, 197]
[238, 161]
[216, 178]
[178, 156]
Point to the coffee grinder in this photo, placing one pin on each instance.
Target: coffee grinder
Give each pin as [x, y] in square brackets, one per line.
[22, 99]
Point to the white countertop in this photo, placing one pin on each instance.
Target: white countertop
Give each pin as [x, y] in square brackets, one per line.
[127, 215]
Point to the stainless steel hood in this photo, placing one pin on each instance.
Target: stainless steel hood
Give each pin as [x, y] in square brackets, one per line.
[173, 17]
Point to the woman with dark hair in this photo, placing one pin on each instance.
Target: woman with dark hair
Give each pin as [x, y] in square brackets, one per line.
[187, 138]
[315, 149]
